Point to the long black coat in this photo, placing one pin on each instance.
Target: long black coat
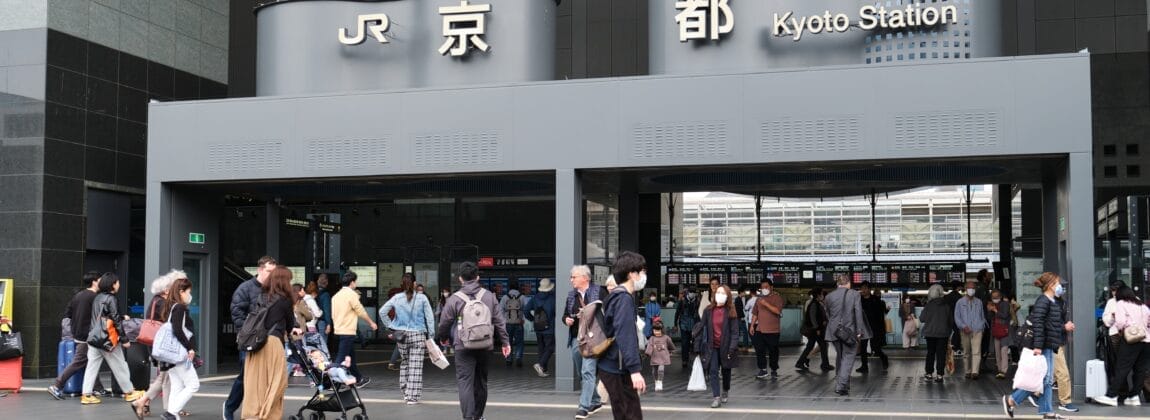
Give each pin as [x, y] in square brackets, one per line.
[729, 343]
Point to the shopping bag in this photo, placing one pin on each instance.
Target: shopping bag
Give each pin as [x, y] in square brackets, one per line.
[698, 381]
[1031, 371]
[166, 348]
[436, 354]
[11, 345]
[949, 360]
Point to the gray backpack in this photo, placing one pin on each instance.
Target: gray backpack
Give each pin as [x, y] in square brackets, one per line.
[473, 323]
[514, 310]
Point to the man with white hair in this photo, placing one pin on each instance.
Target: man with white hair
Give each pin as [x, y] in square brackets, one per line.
[583, 291]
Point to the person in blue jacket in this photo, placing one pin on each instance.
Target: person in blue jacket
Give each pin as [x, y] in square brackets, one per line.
[651, 311]
[540, 310]
[620, 368]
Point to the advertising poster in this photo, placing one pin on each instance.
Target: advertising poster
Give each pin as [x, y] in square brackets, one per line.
[892, 299]
[1026, 270]
[427, 274]
[391, 277]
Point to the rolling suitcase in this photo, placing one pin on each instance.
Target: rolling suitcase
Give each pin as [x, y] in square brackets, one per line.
[139, 368]
[11, 374]
[64, 356]
[1095, 379]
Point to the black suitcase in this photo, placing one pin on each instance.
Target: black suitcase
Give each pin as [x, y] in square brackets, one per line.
[139, 367]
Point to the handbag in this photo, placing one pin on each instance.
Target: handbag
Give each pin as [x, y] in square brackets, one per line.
[1134, 332]
[697, 382]
[911, 327]
[843, 334]
[11, 345]
[166, 348]
[149, 327]
[998, 329]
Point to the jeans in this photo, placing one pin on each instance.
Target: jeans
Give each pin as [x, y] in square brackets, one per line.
[715, 370]
[346, 349]
[236, 396]
[936, 355]
[185, 382]
[395, 354]
[744, 335]
[515, 334]
[587, 367]
[767, 345]
[1044, 404]
[546, 348]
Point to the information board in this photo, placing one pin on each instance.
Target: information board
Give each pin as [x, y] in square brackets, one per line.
[811, 274]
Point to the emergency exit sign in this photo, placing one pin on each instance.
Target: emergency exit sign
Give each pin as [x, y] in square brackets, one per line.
[195, 238]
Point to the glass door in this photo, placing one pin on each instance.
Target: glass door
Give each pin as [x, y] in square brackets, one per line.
[194, 267]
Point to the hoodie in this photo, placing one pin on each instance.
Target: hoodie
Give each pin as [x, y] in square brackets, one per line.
[545, 300]
[454, 306]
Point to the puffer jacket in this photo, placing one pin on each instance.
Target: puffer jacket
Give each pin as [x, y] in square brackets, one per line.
[1048, 320]
[105, 307]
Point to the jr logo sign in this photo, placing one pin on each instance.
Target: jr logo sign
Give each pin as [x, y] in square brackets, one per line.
[376, 24]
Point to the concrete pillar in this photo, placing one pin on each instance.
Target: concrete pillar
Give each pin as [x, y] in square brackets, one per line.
[1050, 223]
[1078, 185]
[629, 210]
[272, 230]
[1005, 233]
[568, 252]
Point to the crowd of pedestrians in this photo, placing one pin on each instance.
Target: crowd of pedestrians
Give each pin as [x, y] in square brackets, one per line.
[715, 328]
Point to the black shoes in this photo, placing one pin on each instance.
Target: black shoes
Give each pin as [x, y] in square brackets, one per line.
[827, 368]
[803, 365]
[842, 392]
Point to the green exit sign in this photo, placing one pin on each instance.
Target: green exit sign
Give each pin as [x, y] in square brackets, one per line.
[196, 238]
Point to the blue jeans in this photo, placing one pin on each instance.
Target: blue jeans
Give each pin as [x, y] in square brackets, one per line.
[1044, 402]
[587, 368]
[395, 354]
[236, 396]
[515, 333]
[714, 371]
[347, 348]
[744, 335]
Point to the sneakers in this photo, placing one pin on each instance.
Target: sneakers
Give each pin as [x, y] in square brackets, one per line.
[1000, 375]
[539, 370]
[723, 398]
[392, 366]
[582, 414]
[827, 368]
[89, 399]
[658, 385]
[55, 392]
[169, 416]
[802, 366]
[595, 409]
[412, 402]
[1007, 407]
[1053, 416]
[928, 377]
[774, 375]
[1106, 400]
[716, 403]
[1135, 401]
[1068, 408]
[362, 382]
[134, 395]
[958, 353]
[1030, 400]
[762, 374]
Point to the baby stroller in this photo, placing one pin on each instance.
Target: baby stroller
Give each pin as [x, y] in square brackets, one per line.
[330, 396]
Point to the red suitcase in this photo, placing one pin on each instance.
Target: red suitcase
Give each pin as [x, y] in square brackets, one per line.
[11, 374]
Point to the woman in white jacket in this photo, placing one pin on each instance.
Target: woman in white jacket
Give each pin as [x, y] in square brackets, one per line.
[1133, 358]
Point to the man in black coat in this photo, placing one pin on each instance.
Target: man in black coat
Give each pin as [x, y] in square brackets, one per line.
[875, 310]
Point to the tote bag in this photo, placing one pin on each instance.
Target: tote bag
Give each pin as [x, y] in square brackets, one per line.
[166, 348]
[698, 381]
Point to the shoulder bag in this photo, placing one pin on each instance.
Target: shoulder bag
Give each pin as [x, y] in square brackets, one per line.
[843, 333]
[149, 327]
[1134, 331]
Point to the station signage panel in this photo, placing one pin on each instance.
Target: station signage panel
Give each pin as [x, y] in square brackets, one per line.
[811, 274]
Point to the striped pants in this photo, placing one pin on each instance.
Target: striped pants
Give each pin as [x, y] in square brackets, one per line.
[414, 350]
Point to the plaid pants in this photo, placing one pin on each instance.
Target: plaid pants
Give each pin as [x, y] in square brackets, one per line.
[414, 350]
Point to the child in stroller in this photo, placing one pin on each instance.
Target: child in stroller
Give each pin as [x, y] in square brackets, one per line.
[334, 386]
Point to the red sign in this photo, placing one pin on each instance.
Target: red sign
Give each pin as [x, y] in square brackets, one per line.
[486, 262]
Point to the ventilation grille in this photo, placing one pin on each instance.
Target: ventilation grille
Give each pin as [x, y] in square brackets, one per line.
[961, 129]
[347, 153]
[835, 134]
[688, 139]
[245, 157]
[459, 149]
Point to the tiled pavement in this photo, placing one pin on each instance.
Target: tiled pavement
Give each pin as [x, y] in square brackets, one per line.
[517, 393]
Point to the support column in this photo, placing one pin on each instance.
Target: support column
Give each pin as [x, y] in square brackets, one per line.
[568, 253]
[1005, 233]
[629, 209]
[1079, 186]
[272, 230]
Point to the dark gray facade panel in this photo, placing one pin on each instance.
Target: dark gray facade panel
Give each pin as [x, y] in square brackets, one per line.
[521, 36]
[1007, 106]
[752, 44]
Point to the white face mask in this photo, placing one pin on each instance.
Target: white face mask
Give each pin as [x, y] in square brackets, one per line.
[996, 300]
[765, 292]
[970, 292]
[721, 299]
[642, 282]
[652, 298]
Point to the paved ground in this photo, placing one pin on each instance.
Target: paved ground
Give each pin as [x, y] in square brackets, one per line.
[517, 393]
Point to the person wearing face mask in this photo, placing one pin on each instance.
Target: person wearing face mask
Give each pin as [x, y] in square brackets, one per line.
[766, 319]
[1113, 336]
[620, 367]
[909, 324]
[968, 317]
[747, 303]
[999, 309]
[814, 324]
[1048, 322]
[718, 344]
[183, 378]
[651, 311]
[686, 316]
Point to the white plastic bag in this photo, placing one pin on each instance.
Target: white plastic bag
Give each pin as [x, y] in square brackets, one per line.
[436, 355]
[639, 326]
[1031, 372]
[698, 381]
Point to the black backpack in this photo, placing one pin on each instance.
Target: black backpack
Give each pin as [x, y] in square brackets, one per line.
[253, 334]
[542, 321]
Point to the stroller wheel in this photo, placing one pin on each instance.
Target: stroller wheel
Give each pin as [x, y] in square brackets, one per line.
[359, 417]
[316, 416]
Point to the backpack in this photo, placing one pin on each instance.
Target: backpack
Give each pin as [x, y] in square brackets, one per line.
[474, 326]
[514, 310]
[253, 334]
[542, 321]
[592, 341]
